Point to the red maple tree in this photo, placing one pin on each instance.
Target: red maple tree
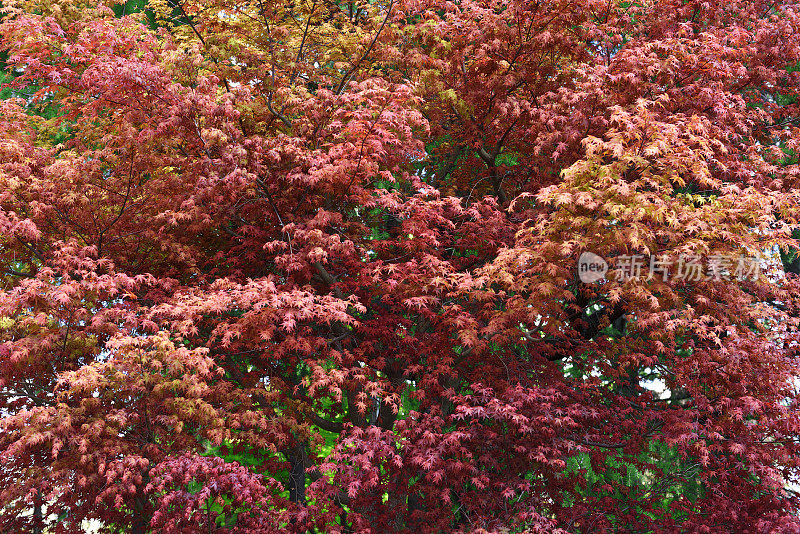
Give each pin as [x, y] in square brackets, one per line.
[311, 266]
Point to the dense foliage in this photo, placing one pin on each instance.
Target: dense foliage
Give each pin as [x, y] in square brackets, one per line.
[311, 266]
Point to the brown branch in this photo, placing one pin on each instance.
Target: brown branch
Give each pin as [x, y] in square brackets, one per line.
[293, 77]
[13, 272]
[352, 69]
[331, 426]
[328, 278]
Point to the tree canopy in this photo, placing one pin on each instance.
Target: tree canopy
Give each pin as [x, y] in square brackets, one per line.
[313, 266]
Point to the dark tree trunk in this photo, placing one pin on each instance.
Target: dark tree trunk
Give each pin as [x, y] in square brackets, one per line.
[297, 474]
[141, 519]
[38, 519]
